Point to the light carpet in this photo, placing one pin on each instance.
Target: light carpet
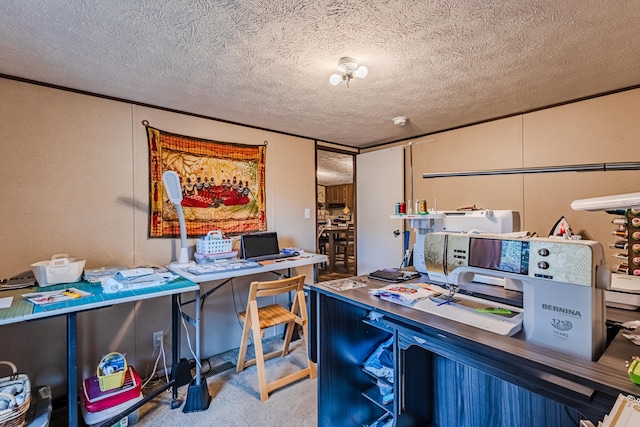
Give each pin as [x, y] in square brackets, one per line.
[236, 398]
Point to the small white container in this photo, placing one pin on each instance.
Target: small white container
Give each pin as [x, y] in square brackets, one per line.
[60, 269]
[213, 243]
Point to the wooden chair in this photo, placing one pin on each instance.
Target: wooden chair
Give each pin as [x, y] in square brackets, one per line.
[323, 242]
[345, 246]
[256, 319]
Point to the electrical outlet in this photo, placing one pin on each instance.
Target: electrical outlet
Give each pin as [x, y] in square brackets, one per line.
[157, 338]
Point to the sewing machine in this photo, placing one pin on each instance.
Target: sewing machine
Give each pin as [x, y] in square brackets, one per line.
[487, 221]
[562, 281]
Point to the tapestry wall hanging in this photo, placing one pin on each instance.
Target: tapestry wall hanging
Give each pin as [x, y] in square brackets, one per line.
[222, 185]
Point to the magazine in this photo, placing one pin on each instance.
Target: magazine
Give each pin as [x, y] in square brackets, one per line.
[50, 297]
[405, 294]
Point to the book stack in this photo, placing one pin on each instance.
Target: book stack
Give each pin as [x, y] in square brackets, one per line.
[99, 406]
[625, 413]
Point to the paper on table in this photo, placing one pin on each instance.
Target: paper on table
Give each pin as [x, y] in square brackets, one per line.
[634, 338]
[42, 298]
[6, 302]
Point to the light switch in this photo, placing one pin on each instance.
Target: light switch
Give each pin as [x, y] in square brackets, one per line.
[307, 213]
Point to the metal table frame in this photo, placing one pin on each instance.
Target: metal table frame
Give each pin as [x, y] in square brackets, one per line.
[21, 311]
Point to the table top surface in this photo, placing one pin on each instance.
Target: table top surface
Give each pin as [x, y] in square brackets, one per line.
[608, 371]
[304, 259]
[22, 310]
[336, 228]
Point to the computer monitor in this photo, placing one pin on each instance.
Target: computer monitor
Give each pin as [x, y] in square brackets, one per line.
[259, 244]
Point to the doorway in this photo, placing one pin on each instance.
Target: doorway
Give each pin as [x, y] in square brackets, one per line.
[336, 213]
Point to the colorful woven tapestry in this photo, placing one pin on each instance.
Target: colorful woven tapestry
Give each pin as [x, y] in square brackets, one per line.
[222, 185]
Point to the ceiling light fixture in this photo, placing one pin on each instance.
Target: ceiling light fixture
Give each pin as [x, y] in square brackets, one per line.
[349, 69]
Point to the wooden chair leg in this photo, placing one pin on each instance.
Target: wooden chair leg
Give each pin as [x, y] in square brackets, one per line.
[288, 337]
[257, 346]
[290, 327]
[244, 342]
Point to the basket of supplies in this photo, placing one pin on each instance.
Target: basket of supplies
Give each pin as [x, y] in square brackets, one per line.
[15, 397]
[213, 243]
[111, 371]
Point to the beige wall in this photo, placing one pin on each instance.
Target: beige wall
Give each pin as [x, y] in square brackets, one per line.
[493, 145]
[600, 130]
[74, 179]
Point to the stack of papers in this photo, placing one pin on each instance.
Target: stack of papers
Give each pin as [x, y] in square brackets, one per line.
[136, 278]
[623, 414]
[221, 267]
[405, 294]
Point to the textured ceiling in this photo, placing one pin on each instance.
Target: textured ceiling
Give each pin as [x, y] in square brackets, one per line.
[334, 168]
[441, 63]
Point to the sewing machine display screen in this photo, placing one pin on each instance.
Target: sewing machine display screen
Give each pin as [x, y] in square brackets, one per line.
[502, 255]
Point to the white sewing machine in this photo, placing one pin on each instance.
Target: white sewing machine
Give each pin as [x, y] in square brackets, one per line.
[563, 283]
[487, 221]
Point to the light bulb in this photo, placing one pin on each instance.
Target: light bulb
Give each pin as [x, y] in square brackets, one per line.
[362, 72]
[335, 79]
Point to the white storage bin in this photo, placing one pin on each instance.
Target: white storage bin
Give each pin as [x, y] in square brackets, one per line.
[60, 269]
